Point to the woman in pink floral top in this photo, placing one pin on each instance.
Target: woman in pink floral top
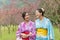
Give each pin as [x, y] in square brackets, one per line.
[26, 30]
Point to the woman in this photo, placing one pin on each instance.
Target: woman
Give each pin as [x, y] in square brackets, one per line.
[44, 30]
[26, 30]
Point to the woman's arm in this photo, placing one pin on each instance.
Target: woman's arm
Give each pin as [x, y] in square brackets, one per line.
[51, 31]
[18, 33]
[33, 31]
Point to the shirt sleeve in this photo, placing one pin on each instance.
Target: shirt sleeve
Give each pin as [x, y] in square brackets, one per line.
[51, 32]
[18, 31]
[33, 31]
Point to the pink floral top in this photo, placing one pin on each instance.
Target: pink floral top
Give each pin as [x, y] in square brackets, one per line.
[30, 26]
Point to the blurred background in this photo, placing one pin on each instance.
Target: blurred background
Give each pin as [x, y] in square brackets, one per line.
[11, 10]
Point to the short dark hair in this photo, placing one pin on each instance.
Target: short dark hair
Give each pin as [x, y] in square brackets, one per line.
[41, 11]
[23, 15]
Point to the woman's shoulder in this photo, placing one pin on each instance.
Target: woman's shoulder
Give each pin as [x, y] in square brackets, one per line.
[32, 22]
[47, 19]
[37, 20]
[21, 23]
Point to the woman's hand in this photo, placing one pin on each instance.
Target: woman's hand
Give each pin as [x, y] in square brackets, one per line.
[24, 35]
[30, 34]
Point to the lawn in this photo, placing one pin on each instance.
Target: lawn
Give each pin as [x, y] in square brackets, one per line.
[4, 35]
[56, 33]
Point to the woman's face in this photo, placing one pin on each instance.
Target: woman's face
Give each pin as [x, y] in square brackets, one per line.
[27, 17]
[38, 14]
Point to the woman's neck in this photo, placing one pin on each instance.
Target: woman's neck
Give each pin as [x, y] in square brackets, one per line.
[41, 17]
[26, 21]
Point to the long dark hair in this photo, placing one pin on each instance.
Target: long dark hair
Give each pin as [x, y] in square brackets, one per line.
[23, 15]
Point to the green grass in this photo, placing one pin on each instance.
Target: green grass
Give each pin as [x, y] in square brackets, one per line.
[56, 33]
[4, 35]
